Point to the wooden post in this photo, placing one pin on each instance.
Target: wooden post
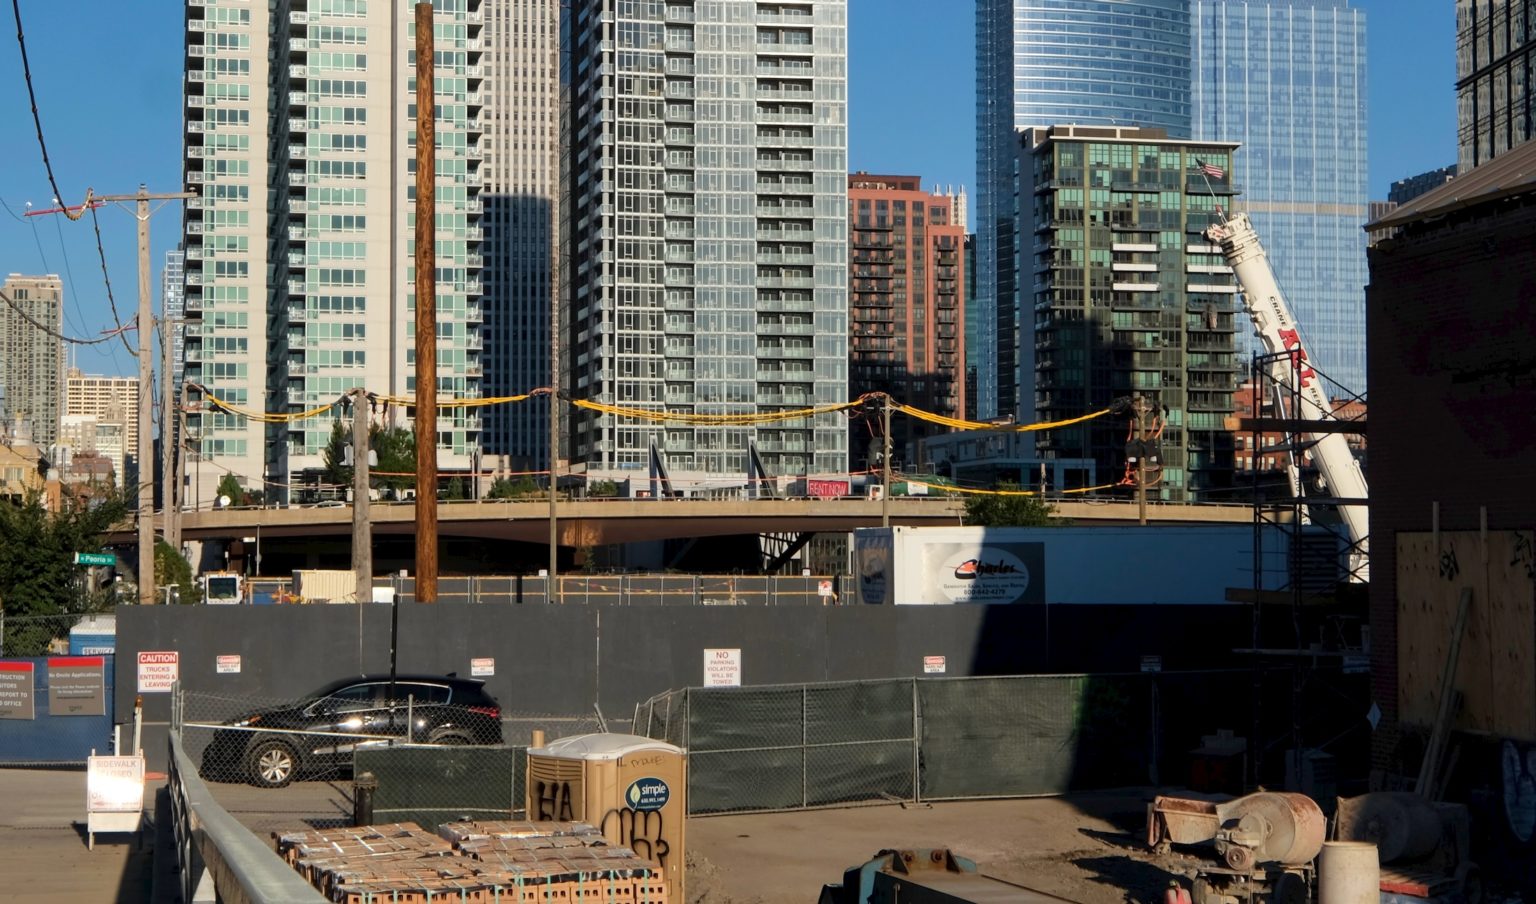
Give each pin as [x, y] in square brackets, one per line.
[426, 311]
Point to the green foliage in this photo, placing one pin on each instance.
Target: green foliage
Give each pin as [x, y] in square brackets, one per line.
[335, 450]
[38, 576]
[602, 488]
[455, 491]
[171, 569]
[395, 448]
[1008, 511]
[229, 485]
[521, 488]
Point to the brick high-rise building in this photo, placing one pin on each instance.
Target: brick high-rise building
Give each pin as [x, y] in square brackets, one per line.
[907, 290]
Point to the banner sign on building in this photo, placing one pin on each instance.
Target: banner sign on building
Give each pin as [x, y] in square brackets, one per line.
[76, 686]
[16, 691]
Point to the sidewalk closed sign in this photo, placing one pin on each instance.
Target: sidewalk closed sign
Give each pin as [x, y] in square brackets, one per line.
[114, 795]
[158, 671]
[722, 668]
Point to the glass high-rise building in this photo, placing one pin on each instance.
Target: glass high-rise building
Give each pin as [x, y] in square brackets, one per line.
[300, 142]
[1056, 62]
[1286, 79]
[1495, 50]
[708, 231]
[1129, 299]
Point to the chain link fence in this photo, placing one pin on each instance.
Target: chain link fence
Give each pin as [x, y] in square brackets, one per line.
[38, 635]
[277, 763]
[800, 746]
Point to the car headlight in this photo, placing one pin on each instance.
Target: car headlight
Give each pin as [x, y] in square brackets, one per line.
[248, 720]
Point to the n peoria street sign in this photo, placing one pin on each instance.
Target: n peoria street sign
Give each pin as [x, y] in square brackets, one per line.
[95, 558]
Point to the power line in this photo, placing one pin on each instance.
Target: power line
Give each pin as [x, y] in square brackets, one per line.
[110, 335]
[37, 119]
[53, 182]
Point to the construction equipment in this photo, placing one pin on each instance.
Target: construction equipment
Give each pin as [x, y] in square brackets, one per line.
[1278, 331]
[1266, 841]
[1424, 846]
[223, 588]
[926, 876]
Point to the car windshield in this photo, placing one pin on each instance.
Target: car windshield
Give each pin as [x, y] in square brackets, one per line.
[349, 698]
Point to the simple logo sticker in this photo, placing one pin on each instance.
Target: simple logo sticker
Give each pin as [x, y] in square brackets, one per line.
[647, 794]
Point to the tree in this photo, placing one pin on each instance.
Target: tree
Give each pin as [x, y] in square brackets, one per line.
[602, 488]
[455, 491]
[229, 485]
[38, 574]
[395, 449]
[172, 570]
[507, 488]
[996, 510]
[335, 452]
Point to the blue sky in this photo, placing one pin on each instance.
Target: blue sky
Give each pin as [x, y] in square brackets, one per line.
[108, 81]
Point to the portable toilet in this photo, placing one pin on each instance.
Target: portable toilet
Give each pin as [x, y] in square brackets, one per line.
[93, 636]
[633, 789]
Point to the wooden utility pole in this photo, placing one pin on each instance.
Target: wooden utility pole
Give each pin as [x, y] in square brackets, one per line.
[146, 445]
[885, 461]
[1140, 408]
[426, 311]
[170, 487]
[362, 530]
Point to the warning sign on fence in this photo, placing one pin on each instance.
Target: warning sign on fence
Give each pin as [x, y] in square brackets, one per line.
[158, 671]
[722, 668]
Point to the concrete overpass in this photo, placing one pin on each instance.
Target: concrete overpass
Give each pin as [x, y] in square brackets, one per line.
[592, 522]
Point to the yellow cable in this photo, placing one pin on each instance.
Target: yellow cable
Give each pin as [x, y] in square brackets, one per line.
[974, 491]
[959, 424]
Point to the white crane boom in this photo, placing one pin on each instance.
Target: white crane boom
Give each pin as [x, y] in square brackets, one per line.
[1276, 326]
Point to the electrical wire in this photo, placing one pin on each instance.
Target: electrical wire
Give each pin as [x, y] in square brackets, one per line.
[108, 336]
[959, 424]
[975, 491]
[101, 252]
[37, 119]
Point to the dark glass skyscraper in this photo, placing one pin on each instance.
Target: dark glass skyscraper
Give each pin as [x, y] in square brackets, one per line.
[1055, 62]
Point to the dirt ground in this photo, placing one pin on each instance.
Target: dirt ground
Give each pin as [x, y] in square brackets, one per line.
[1086, 848]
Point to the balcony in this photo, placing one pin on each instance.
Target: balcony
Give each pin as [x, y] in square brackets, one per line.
[297, 313]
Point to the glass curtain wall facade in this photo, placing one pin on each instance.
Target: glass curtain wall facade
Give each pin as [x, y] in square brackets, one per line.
[1286, 79]
[708, 230]
[1495, 56]
[521, 129]
[1130, 299]
[300, 141]
[1040, 63]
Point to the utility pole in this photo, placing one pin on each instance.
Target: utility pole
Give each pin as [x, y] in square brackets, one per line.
[170, 487]
[362, 530]
[145, 450]
[426, 311]
[885, 462]
[1140, 408]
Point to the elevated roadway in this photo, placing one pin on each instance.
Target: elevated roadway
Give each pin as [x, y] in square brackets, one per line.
[593, 522]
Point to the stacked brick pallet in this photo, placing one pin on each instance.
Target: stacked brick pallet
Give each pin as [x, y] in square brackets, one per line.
[472, 863]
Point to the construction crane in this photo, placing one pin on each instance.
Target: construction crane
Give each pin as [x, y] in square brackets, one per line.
[1277, 330]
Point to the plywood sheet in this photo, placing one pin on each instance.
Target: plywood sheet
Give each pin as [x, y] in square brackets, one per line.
[1496, 674]
[1512, 659]
[1424, 622]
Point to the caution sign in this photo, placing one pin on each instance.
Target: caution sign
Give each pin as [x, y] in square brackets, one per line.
[16, 691]
[158, 671]
[722, 668]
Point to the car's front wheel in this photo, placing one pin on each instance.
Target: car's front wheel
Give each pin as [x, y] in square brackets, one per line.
[272, 764]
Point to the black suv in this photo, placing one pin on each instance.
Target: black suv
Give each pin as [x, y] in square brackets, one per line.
[271, 747]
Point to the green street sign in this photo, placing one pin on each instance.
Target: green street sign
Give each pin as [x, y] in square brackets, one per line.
[95, 558]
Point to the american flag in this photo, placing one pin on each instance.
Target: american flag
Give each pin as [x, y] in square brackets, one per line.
[1211, 169]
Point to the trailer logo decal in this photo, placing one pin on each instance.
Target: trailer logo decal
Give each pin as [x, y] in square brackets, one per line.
[986, 574]
[971, 569]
